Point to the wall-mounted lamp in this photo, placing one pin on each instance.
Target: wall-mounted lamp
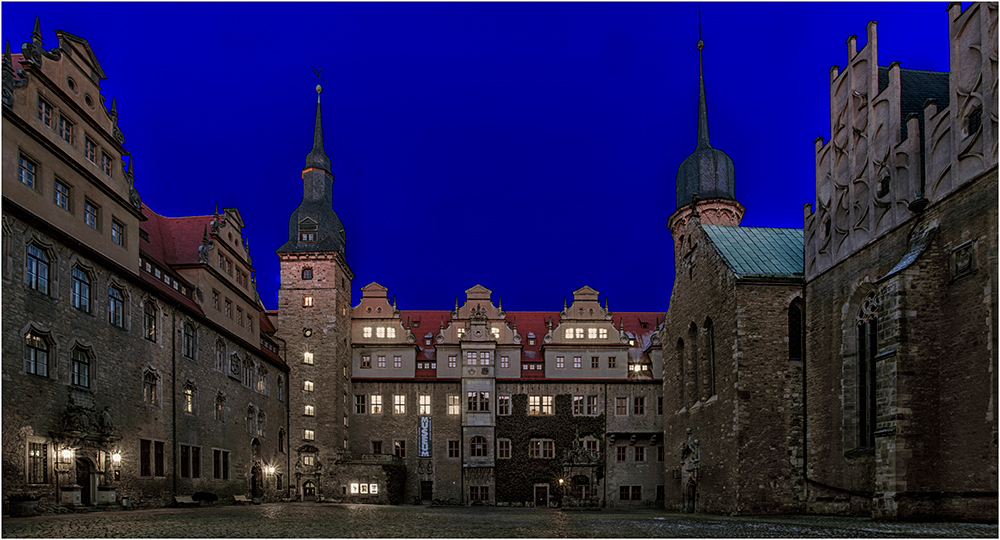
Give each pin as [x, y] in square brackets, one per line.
[116, 459]
[269, 470]
[67, 455]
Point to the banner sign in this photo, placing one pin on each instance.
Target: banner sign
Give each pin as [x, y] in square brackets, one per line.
[424, 437]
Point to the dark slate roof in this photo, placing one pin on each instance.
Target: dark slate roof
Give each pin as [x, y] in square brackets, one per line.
[760, 251]
[916, 87]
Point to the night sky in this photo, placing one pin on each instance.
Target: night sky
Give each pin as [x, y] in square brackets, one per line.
[528, 147]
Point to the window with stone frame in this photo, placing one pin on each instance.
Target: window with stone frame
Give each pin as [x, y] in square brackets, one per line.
[220, 355]
[90, 150]
[60, 194]
[149, 320]
[116, 307]
[592, 406]
[454, 449]
[27, 171]
[454, 404]
[118, 232]
[621, 453]
[80, 297]
[503, 448]
[612, 362]
[376, 403]
[189, 399]
[359, 404]
[578, 407]
[151, 389]
[399, 448]
[307, 272]
[479, 493]
[621, 406]
[36, 354]
[478, 447]
[189, 341]
[220, 408]
[45, 113]
[478, 401]
[261, 424]
[81, 367]
[541, 448]
[398, 404]
[639, 453]
[867, 349]
[424, 404]
[639, 406]
[251, 419]
[38, 270]
[65, 129]
[376, 447]
[503, 405]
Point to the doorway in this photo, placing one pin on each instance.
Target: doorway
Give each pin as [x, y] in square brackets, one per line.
[541, 496]
[87, 480]
[426, 490]
[256, 482]
[309, 491]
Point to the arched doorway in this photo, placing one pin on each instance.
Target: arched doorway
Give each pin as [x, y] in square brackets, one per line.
[581, 487]
[308, 491]
[256, 482]
[87, 481]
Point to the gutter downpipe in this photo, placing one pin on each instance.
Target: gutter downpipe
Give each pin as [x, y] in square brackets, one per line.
[173, 398]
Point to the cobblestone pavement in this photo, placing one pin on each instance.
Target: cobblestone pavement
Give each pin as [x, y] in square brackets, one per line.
[311, 520]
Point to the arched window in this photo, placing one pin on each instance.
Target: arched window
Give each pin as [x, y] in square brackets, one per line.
[189, 342]
[867, 347]
[150, 388]
[796, 345]
[190, 398]
[281, 440]
[255, 449]
[710, 354]
[262, 380]
[81, 367]
[116, 307]
[36, 355]
[694, 362]
[261, 424]
[81, 290]
[477, 447]
[220, 355]
[220, 408]
[681, 382]
[38, 269]
[251, 417]
[149, 321]
[248, 373]
[279, 391]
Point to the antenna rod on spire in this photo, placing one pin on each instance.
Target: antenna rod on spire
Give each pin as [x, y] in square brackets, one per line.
[699, 24]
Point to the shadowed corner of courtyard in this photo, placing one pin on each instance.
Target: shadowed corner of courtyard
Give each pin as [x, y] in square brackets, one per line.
[311, 520]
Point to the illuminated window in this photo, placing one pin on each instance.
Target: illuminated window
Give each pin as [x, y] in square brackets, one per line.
[376, 403]
[560, 362]
[307, 301]
[602, 333]
[380, 332]
[309, 435]
[309, 460]
[548, 406]
[309, 410]
[399, 448]
[398, 404]
[424, 402]
[307, 358]
[366, 332]
[470, 358]
[390, 332]
[381, 361]
[484, 358]
[569, 333]
[496, 333]
[579, 333]
[307, 386]
[504, 362]
[220, 408]
[366, 361]
[397, 362]
[591, 333]
[189, 400]
[453, 404]
[534, 405]
[373, 489]
[577, 362]
[452, 361]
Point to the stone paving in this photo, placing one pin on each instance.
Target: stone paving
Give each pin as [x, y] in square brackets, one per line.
[311, 520]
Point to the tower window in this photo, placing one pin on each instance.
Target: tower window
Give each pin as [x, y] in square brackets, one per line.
[307, 230]
[307, 273]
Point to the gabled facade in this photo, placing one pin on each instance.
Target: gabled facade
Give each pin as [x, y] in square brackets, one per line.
[124, 376]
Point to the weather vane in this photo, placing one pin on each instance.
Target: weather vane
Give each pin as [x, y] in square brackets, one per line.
[319, 73]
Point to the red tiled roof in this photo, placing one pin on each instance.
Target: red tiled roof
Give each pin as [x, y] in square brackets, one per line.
[174, 240]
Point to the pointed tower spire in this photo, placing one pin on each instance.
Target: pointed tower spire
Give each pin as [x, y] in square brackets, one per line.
[703, 141]
[114, 106]
[317, 157]
[36, 34]
[7, 61]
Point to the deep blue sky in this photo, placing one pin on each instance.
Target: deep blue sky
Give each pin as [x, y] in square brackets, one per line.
[528, 147]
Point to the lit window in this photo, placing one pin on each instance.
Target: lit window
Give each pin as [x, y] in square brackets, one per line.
[307, 358]
[310, 461]
[380, 332]
[307, 301]
[484, 358]
[373, 489]
[397, 362]
[452, 361]
[496, 333]
[376, 403]
[91, 214]
[547, 405]
[591, 333]
[220, 408]
[366, 361]
[470, 358]
[26, 174]
[579, 333]
[309, 410]
[307, 386]
[390, 332]
[534, 405]
[453, 404]
[577, 364]
[366, 331]
[569, 333]
[45, 113]
[399, 448]
[36, 355]
[560, 362]
[603, 333]
[309, 435]
[381, 361]
[398, 404]
[504, 362]
[61, 194]
[307, 273]
[149, 321]
[38, 269]
[425, 405]
[461, 332]
[189, 400]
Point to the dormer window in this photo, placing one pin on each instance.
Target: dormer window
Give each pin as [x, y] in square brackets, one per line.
[307, 230]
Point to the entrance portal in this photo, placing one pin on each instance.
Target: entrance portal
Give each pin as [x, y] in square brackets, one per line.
[309, 491]
[542, 495]
[87, 481]
[256, 482]
[426, 490]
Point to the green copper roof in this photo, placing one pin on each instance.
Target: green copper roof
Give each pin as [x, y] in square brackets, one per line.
[759, 251]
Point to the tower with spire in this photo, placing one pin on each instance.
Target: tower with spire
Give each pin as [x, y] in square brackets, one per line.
[314, 301]
[706, 179]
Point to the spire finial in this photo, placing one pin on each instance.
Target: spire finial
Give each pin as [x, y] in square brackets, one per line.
[131, 158]
[317, 157]
[37, 32]
[6, 54]
[703, 141]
